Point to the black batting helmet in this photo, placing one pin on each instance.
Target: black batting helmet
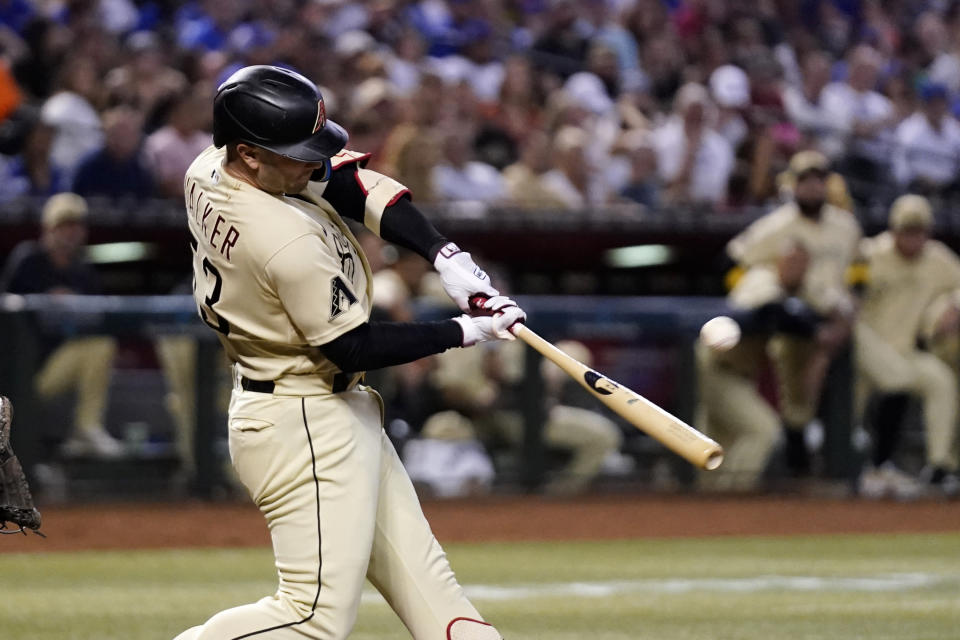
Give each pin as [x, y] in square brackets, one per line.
[277, 109]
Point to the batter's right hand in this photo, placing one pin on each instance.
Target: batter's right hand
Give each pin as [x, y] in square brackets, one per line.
[496, 327]
[461, 276]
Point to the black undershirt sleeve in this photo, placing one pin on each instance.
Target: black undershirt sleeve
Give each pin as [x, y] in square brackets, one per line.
[374, 345]
[402, 223]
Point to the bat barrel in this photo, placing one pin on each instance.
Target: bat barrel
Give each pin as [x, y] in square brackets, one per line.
[667, 429]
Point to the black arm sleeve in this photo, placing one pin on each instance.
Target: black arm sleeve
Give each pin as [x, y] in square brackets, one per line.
[374, 345]
[402, 223]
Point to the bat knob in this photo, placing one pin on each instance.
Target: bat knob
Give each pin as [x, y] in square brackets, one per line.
[476, 301]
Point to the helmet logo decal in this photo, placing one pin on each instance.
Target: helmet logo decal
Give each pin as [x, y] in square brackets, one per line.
[321, 116]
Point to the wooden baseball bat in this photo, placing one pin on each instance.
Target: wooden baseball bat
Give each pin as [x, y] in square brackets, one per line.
[664, 427]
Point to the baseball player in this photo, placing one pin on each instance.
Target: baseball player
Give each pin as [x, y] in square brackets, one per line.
[55, 265]
[476, 383]
[908, 272]
[831, 236]
[730, 409]
[283, 281]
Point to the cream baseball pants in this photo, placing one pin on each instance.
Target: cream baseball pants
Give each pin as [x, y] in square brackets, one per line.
[883, 368]
[340, 509]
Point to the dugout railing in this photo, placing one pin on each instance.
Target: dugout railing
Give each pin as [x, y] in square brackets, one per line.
[645, 343]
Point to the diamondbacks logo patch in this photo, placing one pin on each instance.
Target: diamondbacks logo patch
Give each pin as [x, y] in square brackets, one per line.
[321, 116]
[340, 297]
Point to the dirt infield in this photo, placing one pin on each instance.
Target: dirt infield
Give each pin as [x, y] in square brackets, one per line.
[141, 526]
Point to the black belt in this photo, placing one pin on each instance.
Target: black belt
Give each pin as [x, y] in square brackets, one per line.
[341, 382]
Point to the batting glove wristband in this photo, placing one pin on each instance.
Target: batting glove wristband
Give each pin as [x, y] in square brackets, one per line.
[496, 327]
[461, 276]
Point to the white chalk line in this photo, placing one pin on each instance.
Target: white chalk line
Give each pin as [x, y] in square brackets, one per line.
[755, 584]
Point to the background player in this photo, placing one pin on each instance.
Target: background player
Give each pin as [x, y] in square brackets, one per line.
[731, 409]
[830, 235]
[56, 264]
[908, 272]
[281, 278]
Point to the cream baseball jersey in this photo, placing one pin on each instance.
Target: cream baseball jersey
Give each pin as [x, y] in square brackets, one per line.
[832, 242]
[277, 275]
[899, 291]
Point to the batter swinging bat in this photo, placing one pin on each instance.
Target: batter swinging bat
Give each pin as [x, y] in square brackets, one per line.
[669, 430]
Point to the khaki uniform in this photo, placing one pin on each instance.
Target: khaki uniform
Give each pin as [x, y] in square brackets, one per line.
[275, 276]
[731, 409]
[832, 242]
[83, 364]
[588, 435]
[895, 307]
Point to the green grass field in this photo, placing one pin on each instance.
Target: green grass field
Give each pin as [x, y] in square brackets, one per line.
[888, 587]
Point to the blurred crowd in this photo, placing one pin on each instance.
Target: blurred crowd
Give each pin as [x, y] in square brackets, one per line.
[539, 103]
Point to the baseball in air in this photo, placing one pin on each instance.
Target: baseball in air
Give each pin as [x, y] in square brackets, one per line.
[721, 333]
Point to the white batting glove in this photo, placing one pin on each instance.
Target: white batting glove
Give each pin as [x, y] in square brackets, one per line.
[461, 276]
[496, 327]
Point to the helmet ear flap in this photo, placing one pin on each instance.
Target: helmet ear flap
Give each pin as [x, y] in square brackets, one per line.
[226, 129]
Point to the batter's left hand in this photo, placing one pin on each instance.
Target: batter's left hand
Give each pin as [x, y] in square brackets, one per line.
[461, 276]
[505, 311]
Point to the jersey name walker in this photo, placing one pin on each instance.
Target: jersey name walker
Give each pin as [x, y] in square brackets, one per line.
[253, 249]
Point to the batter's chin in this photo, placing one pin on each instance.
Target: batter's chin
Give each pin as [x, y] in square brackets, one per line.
[300, 185]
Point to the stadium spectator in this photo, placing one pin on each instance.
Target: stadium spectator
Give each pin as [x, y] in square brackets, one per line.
[663, 62]
[695, 161]
[117, 169]
[561, 47]
[866, 119]
[403, 69]
[643, 185]
[459, 176]
[414, 154]
[168, 151]
[607, 20]
[517, 110]
[31, 173]
[908, 272]
[72, 113]
[144, 81]
[730, 90]
[927, 154]
[525, 177]
[475, 63]
[805, 105]
[56, 265]
[206, 25]
[941, 51]
[37, 68]
[570, 180]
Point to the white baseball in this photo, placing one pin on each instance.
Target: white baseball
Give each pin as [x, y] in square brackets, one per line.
[721, 333]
